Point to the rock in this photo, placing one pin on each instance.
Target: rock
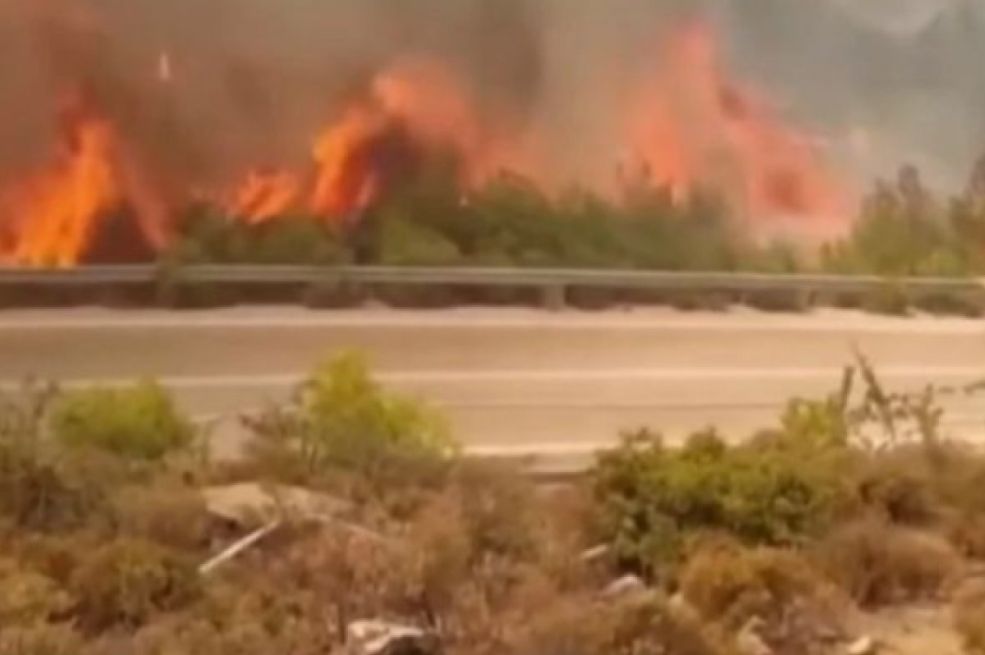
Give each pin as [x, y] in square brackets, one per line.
[624, 586]
[863, 646]
[375, 637]
[248, 502]
[748, 641]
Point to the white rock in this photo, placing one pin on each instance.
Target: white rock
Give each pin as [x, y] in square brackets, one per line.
[863, 646]
[624, 586]
[375, 637]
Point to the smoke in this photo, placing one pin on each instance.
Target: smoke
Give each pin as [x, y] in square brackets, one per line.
[885, 82]
[201, 90]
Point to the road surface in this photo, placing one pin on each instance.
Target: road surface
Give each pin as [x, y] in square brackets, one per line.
[511, 380]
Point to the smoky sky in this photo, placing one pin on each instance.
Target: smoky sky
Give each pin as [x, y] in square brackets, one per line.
[895, 82]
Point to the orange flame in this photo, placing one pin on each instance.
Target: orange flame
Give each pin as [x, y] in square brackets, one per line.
[695, 127]
[55, 213]
[688, 126]
[416, 103]
[264, 195]
[343, 183]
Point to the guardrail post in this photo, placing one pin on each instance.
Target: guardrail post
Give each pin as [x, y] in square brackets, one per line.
[806, 298]
[554, 297]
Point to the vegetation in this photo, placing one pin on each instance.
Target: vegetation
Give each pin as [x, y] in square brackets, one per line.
[341, 420]
[140, 422]
[112, 539]
[902, 229]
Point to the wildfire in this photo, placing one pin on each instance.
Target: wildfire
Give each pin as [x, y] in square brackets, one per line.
[53, 215]
[263, 195]
[695, 127]
[413, 107]
[688, 126]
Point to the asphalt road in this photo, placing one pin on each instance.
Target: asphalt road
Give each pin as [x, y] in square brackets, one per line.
[511, 380]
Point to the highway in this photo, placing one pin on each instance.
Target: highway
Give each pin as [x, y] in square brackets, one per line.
[511, 380]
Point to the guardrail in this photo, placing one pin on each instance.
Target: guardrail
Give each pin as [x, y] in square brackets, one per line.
[553, 283]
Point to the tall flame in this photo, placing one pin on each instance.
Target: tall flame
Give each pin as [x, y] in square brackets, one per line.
[415, 104]
[345, 181]
[55, 213]
[264, 194]
[695, 127]
[688, 126]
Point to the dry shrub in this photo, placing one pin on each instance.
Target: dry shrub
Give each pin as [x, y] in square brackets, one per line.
[878, 563]
[730, 585]
[967, 533]
[580, 626]
[167, 512]
[433, 562]
[126, 581]
[345, 575]
[28, 596]
[899, 485]
[41, 639]
[929, 485]
[243, 636]
[969, 619]
[499, 509]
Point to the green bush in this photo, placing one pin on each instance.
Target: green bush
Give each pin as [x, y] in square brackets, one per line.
[341, 419]
[210, 238]
[653, 497]
[405, 242]
[139, 422]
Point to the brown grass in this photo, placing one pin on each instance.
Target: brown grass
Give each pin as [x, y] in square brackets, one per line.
[878, 563]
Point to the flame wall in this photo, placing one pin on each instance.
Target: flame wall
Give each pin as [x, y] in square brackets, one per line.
[267, 107]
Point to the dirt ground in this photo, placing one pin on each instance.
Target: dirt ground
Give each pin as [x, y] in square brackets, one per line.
[912, 630]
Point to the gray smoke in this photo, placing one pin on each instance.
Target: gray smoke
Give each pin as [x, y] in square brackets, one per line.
[887, 81]
[882, 82]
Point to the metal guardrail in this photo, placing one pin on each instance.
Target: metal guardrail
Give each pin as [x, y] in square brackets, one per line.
[555, 281]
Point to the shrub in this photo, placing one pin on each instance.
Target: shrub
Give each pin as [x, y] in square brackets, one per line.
[763, 493]
[730, 586]
[164, 511]
[878, 563]
[967, 533]
[40, 639]
[139, 422]
[37, 490]
[499, 510]
[341, 419]
[899, 486]
[578, 626]
[404, 242]
[969, 619]
[28, 596]
[125, 581]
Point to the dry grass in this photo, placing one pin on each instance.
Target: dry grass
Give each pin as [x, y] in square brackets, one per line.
[878, 563]
[730, 585]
